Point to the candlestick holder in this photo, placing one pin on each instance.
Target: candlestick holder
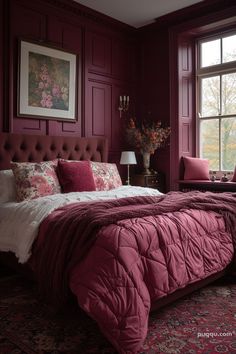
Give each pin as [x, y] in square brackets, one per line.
[123, 104]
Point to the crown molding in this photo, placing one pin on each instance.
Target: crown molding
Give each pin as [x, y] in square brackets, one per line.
[90, 14]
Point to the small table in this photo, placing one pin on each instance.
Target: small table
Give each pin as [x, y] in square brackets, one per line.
[155, 180]
[216, 186]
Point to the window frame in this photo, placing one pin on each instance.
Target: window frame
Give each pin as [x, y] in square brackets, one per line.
[206, 72]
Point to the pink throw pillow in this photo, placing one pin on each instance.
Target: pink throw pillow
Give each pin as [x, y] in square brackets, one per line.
[75, 176]
[35, 179]
[106, 176]
[196, 168]
[234, 176]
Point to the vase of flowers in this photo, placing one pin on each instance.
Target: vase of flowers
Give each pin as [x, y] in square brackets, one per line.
[147, 136]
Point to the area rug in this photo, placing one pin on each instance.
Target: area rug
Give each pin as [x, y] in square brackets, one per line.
[204, 322]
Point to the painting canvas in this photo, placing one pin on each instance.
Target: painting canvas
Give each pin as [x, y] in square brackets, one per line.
[47, 82]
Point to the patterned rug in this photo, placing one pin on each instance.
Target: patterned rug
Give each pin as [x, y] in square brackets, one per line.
[204, 322]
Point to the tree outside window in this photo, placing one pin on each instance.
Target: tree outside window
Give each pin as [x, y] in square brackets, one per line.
[217, 101]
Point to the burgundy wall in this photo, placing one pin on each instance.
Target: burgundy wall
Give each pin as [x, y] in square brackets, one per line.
[153, 98]
[1, 59]
[106, 66]
[114, 60]
[167, 88]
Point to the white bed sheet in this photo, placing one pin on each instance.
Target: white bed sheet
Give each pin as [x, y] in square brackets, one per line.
[19, 222]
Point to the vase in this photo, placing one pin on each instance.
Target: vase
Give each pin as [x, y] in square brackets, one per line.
[146, 162]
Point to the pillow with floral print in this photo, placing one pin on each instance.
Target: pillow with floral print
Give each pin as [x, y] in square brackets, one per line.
[106, 176]
[34, 180]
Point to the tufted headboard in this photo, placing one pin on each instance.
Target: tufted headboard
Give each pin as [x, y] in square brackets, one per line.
[36, 148]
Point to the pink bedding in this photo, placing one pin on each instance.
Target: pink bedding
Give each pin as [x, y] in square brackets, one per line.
[118, 257]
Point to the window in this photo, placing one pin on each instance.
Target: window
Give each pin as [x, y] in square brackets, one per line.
[216, 80]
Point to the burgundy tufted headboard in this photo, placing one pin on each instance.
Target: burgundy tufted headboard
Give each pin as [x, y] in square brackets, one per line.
[36, 148]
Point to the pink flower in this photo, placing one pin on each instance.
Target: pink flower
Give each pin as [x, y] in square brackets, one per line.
[44, 68]
[45, 189]
[43, 77]
[41, 85]
[46, 101]
[56, 91]
[37, 180]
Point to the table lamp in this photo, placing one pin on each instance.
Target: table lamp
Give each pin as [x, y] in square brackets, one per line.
[128, 158]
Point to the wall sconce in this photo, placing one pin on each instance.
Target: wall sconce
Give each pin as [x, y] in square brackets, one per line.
[124, 104]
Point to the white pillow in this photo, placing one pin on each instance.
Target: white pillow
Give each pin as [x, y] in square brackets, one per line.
[7, 186]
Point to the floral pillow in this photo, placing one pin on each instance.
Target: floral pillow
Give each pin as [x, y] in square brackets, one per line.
[106, 176]
[34, 180]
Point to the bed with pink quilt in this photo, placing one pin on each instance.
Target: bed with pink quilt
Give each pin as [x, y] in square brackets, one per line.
[121, 254]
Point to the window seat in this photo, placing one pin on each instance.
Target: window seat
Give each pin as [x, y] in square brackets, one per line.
[205, 185]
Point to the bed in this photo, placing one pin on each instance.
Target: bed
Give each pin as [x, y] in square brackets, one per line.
[121, 252]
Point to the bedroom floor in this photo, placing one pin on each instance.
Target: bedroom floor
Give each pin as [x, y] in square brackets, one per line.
[203, 322]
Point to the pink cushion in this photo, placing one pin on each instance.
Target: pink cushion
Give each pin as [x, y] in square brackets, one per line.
[34, 180]
[106, 176]
[196, 168]
[234, 176]
[75, 176]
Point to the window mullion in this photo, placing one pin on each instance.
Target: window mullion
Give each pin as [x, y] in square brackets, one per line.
[214, 122]
[220, 98]
[220, 145]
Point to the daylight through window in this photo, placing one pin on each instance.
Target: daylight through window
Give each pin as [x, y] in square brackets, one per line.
[216, 79]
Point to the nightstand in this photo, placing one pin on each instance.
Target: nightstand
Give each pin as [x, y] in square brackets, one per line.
[154, 180]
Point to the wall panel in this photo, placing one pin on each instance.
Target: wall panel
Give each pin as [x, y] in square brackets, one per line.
[106, 59]
[2, 37]
[67, 37]
[32, 26]
[186, 91]
[99, 53]
[98, 111]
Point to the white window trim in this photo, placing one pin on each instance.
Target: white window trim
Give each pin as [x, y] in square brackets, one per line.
[205, 72]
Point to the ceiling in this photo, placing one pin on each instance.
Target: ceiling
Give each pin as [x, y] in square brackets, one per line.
[136, 13]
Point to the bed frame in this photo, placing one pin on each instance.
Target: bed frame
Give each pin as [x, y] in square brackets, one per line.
[36, 148]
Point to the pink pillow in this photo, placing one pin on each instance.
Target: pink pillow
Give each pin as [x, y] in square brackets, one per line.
[234, 176]
[75, 176]
[196, 168]
[35, 179]
[106, 176]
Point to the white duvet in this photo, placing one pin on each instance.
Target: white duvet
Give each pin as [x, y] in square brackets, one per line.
[19, 222]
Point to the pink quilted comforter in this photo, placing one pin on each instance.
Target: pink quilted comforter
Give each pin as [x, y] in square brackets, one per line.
[120, 256]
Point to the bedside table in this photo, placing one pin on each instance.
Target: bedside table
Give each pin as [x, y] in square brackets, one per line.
[154, 180]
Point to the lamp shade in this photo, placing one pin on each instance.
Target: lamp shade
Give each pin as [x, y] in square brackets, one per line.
[128, 158]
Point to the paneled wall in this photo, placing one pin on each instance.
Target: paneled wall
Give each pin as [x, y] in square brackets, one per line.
[113, 59]
[166, 89]
[1, 57]
[106, 66]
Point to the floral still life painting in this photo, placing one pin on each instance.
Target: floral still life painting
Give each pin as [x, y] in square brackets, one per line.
[48, 82]
[47, 86]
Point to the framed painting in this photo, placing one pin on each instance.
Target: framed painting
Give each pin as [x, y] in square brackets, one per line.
[47, 82]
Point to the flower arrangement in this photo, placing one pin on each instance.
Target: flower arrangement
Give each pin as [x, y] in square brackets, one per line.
[147, 136]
